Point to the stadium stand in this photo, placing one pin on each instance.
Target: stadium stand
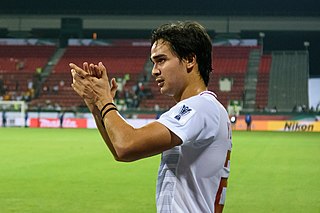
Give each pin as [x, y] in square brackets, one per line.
[158, 101]
[18, 66]
[229, 62]
[118, 59]
[287, 72]
[288, 84]
[24, 57]
[263, 82]
[123, 60]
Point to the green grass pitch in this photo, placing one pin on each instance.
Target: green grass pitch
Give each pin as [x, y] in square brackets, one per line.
[71, 171]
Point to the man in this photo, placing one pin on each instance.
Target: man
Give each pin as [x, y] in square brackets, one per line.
[4, 118]
[248, 121]
[194, 136]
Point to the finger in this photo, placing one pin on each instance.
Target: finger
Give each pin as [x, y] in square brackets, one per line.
[73, 75]
[76, 79]
[97, 71]
[114, 87]
[114, 84]
[78, 70]
[86, 67]
[75, 87]
[94, 71]
[81, 86]
[76, 76]
[103, 70]
[91, 68]
[80, 82]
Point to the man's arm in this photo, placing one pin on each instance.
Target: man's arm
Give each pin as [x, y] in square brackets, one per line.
[124, 141]
[93, 108]
[135, 143]
[98, 120]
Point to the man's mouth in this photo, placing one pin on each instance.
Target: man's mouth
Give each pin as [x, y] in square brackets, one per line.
[160, 83]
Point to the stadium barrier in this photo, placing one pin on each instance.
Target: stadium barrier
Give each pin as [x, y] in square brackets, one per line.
[55, 123]
[287, 126]
[76, 122]
[88, 122]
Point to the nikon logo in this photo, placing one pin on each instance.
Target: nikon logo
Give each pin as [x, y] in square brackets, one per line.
[295, 126]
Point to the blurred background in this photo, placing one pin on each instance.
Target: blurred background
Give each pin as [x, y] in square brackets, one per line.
[266, 57]
[266, 61]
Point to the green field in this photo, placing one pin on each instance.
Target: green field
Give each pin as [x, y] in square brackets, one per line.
[71, 171]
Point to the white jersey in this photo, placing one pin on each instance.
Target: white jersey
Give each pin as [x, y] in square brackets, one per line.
[190, 174]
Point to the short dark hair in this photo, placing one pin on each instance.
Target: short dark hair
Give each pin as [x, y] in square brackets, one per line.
[188, 39]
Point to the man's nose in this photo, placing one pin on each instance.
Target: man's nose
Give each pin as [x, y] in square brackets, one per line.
[155, 70]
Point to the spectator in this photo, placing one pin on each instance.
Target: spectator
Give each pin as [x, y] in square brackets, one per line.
[26, 118]
[248, 120]
[61, 118]
[4, 118]
[55, 89]
[19, 64]
[2, 90]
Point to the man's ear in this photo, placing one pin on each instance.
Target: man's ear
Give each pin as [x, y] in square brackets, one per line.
[191, 61]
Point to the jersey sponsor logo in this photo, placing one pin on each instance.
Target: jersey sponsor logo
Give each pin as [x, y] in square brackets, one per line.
[184, 114]
[183, 111]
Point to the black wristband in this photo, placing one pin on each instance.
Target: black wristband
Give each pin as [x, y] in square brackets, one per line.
[107, 104]
[108, 110]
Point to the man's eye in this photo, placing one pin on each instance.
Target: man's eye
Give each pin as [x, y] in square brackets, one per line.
[161, 61]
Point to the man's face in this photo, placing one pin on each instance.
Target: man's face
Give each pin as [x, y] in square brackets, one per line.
[168, 69]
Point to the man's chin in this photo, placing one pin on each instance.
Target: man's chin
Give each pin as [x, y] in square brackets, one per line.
[165, 92]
